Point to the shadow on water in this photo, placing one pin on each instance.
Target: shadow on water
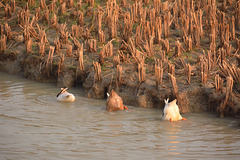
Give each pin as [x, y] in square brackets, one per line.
[34, 125]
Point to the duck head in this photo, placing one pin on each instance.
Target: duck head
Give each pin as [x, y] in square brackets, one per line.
[62, 91]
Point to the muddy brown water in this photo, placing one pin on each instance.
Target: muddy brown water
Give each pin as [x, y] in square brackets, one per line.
[33, 125]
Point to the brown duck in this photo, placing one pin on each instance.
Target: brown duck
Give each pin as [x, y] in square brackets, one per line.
[115, 102]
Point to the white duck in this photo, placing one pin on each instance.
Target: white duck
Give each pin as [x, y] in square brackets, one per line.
[171, 111]
[64, 96]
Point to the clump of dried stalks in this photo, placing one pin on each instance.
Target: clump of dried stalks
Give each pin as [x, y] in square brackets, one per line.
[79, 17]
[57, 45]
[80, 57]
[54, 21]
[43, 4]
[13, 6]
[52, 6]
[127, 28]
[222, 108]
[171, 69]
[99, 17]
[218, 83]
[60, 63]
[188, 42]
[98, 73]
[101, 57]
[62, 9]
[69, 50]
[101, 37]
[76, 31]
[26, 34]
[188, 72]
[42, 35]
[138, 36]
[70, 3]
[3, 43]
[230, 70]
[112, 17]
[165, 45]
[29, 46]
[38, 13]
[23, 17]
[237, 14]
[8, 31]
[158, 72]
[41, 48]
[138, 56]
[31, 2]
[107, 51]
[174, 84]
[205, 67]
[1, 29]
[167, 22]
[116, 61]
[148, 46]
[90, 2]
[63, 33]
[8, 11]
[49, 61]
[76, 43]
[79, 4]
[91, 45]
[178, 48]
[141, 72]
[119, 75]
[45, 16]
[158, 30]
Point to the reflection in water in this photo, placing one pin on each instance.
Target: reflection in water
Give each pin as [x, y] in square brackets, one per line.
[34, 125]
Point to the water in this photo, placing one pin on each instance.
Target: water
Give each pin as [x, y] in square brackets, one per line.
[33, 125]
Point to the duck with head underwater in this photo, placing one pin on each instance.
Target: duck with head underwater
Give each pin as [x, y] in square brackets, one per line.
[64, 96]
[171, 111]
[115, 102]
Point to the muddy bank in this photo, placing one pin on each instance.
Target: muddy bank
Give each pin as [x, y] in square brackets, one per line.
[191, 97]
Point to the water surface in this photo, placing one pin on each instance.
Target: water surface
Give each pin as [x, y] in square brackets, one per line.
[33, 125]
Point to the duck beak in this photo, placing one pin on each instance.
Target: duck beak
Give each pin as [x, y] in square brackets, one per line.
[184, 118]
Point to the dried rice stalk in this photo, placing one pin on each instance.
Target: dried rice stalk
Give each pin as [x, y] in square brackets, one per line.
[174, 84]
[49, 60]
[218, 83]
[29, 46]
[158, 72]
[119, 75]
[60, 63]
[141, 72]
[80, 59]
[69, 50]
[98, 73]
[3, 42]
[227, 97]
[188, 72]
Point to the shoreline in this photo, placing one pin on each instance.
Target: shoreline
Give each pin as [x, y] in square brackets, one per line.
[195, 98]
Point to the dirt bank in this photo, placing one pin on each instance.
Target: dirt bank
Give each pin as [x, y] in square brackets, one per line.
[194, 97]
